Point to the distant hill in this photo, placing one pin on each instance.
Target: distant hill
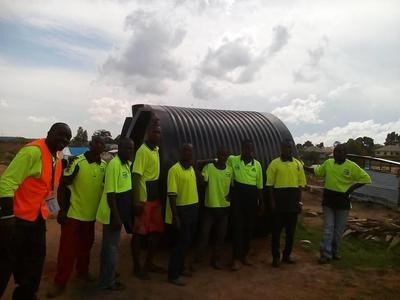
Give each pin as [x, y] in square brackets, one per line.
[9, 146]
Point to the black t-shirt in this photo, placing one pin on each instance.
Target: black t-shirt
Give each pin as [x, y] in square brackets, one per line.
[287, 200]
[336, 200]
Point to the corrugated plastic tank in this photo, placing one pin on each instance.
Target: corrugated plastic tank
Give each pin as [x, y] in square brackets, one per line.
[207, 129]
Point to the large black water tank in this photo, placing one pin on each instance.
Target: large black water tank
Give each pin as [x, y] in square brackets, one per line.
[207, 129]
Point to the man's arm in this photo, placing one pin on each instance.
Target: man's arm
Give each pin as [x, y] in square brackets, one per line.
[354, 187]
[175, 217]
[115, 217]
[63, 193]
[136, 194]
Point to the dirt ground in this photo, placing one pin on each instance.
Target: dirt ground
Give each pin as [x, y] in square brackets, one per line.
[304, 280]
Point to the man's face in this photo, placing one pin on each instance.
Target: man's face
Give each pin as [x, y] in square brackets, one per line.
[125, 150]
[247, 150]
[222, 155]
[97, 145]
[339, 153]
[187, 153]
[59, 137]
[154, 135]
[286, 150]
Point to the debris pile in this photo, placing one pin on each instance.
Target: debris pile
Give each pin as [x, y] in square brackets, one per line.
[376, 230]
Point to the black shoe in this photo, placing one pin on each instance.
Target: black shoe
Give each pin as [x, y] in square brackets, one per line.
[336, 257]
[288, 260]
[141, 274]
[276, 263]
[177, 281]
[186, 273]
[324, 260]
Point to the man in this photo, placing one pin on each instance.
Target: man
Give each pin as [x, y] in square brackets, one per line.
[285, 177]
[247, 196]
[84, 179]
[26, 187]
[218, 178]
[115, 209]
[181, 212]
[149, 223]
[342, 177]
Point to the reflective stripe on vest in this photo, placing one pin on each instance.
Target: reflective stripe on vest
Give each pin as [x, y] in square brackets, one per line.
[30, 197]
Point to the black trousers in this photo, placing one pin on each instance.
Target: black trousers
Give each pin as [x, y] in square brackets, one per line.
[244, 211]
[182, 238]
[216, 218]
[24, 258]
[287, 221]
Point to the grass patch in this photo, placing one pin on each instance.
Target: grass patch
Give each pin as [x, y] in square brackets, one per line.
[356, 252]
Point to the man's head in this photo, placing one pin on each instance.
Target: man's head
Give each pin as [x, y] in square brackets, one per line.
[339, 153]
[153, 134]
[187, 153]
[58, 137]
[247, 149]
[222, 154]
[125, 148]
[286, 149]
[97, 145]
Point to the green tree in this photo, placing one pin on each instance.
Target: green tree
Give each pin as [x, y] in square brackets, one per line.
[308, 144]
[392, 138]
[81, 138]
[105, 134]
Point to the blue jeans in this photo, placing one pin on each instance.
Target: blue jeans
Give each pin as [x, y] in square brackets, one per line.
[334, 225]
[109, 256]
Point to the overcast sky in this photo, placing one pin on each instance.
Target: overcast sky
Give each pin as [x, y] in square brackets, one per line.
[329, 69]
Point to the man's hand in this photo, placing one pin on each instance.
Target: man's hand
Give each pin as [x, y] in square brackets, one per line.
[176, 222]
[61, 217]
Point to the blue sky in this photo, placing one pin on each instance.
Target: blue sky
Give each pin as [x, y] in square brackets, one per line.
[330, 71]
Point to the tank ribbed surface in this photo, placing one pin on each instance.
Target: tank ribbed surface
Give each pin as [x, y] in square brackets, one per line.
[207, 129]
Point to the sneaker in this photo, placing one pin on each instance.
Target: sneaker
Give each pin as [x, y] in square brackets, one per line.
[117, 286]
[288, 260]
[276, 263]
[55, 290]
[247, 261]
[217, 265]
[235, 265]
[86, 277]
[177, 281]
[156, 269]
[141, 274]
[186, 273]
[324, 260]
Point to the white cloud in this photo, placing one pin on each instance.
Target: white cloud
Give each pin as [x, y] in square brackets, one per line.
[202, 89]
[370, 128]
[341, 89]
[3, 103]
[148, 59]
[309, 72]
[301, 110]
[277, 99]
[280, 39]
[106, 109]
[41, 119]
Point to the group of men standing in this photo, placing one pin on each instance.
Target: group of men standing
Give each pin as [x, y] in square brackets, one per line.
[126, 192]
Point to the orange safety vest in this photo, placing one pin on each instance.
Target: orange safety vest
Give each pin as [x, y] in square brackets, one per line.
[30, 197]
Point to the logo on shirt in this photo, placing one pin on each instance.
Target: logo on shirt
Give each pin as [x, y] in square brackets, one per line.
[237, 167]
[253, 169]
[346, 172]
[124, 174]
